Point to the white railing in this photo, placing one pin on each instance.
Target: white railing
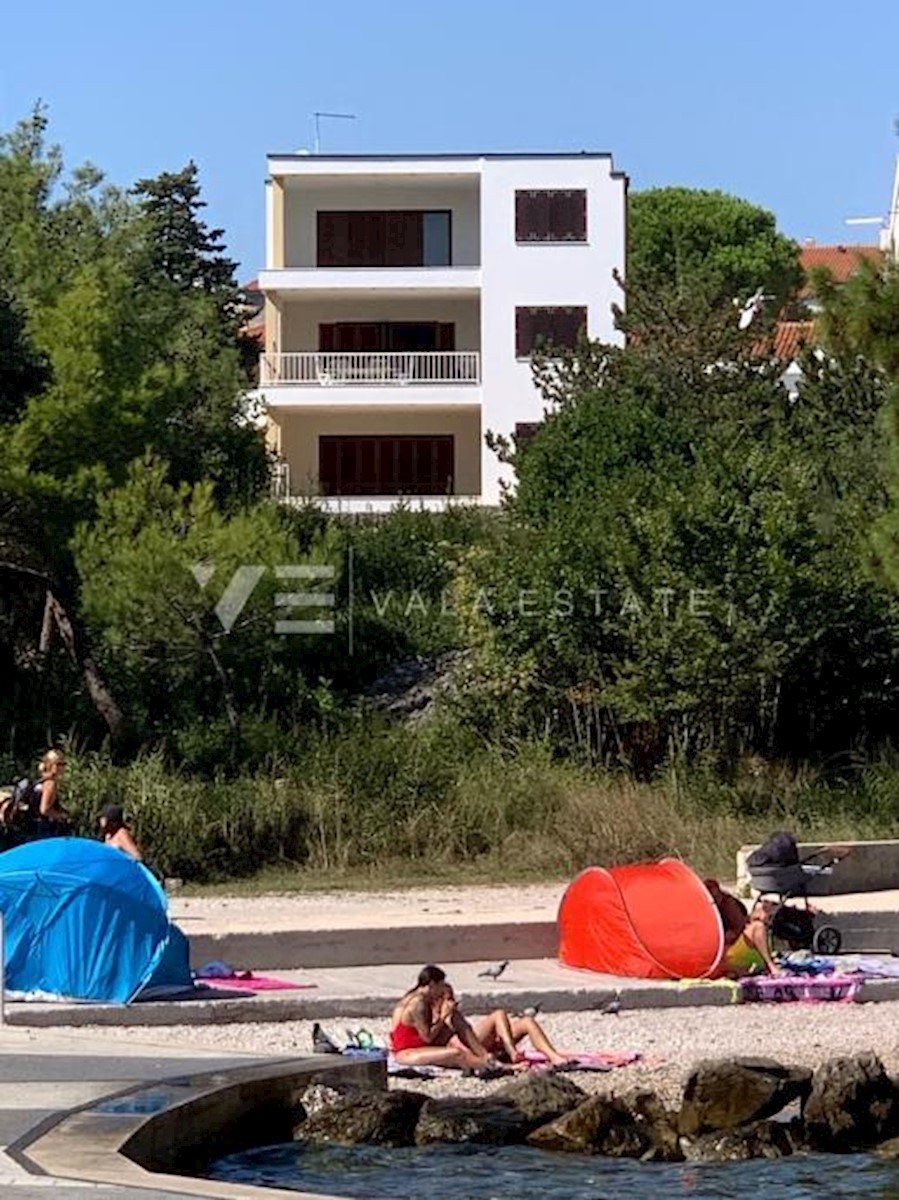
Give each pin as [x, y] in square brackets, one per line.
[382, 367]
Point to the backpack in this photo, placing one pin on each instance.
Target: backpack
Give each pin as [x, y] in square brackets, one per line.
[25, 805]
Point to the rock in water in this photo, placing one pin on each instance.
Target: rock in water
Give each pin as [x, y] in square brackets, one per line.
[725, 1093]
[764, 1139]
[365, 1119]
[541, 1097]
[636, 1125]
[485, 1122]
[852, 1104]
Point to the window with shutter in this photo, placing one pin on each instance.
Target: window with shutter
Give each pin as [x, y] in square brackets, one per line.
[541, 328]
[393, 238]
[392, 465]
[551, 215]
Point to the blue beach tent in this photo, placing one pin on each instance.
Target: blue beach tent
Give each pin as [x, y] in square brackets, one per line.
[81, 920]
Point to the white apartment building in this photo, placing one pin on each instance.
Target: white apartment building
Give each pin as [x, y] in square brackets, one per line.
[404, 296]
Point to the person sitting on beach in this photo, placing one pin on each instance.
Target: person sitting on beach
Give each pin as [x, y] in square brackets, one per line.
[731, 910]
[429, 1029]
[750, 952]
[117, 833]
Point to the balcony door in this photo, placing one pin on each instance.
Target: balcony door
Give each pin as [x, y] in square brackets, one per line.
[393, 238]
[395, 465]
[360, 337]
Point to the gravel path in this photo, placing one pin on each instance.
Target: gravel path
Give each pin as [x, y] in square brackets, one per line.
[671, 1040]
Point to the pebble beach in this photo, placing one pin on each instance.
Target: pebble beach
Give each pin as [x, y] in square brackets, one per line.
[670, 1041]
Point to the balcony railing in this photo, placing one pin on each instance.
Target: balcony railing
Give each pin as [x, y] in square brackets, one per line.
[392, 368]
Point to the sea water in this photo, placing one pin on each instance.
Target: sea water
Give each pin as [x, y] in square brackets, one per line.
[521, 1173]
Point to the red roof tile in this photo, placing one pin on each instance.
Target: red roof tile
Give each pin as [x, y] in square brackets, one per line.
[841, 261]
[792, 337]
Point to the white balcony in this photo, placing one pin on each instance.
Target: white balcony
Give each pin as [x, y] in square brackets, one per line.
[378, 369]
[369, 282]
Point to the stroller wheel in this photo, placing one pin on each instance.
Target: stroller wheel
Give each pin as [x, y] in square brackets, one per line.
[827, 940]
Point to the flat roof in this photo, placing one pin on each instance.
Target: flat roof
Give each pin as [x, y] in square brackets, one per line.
[440, 157]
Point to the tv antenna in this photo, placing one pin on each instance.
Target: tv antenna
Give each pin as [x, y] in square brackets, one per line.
[328, 116]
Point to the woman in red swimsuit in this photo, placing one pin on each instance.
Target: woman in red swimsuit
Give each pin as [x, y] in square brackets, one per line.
[429, 1030]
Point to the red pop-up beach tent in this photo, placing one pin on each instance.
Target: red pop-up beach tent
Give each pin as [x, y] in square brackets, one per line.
[649, 921]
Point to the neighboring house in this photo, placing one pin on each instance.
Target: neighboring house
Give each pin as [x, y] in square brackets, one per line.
[403, 298]
[792, 336]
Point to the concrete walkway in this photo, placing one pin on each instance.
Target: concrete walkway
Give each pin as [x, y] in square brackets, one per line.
[44, 1075]
[447, 925]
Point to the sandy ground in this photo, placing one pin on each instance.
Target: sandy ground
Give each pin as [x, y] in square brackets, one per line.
[670, 1040]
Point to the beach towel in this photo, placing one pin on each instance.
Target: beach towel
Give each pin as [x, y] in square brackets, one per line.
[246, 981]
[780, 989]
[600, 1061]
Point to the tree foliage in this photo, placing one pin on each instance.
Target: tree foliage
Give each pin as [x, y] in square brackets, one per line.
[707, 242]
[684, 568]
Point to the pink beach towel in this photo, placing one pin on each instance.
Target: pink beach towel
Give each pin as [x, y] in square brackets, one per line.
[248, 982]
[815, 989]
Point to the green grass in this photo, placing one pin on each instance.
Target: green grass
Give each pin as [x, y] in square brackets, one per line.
[388, 807]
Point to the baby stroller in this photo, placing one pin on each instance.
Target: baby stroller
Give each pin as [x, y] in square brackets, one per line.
[776, 869]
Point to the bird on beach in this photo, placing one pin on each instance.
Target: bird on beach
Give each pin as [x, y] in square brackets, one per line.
[532, 1011]
[612, 1007]
[493, 972]
[322, 1043]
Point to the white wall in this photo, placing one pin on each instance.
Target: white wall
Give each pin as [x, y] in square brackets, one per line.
[535, 274]
[304, 198]
[300, 319]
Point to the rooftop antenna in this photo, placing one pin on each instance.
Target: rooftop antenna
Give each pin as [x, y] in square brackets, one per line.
[330, 117]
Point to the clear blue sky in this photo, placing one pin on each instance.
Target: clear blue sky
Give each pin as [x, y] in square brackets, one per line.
[789, 105]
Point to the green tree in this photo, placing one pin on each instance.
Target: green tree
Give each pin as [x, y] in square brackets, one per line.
[683, 566]
[861, 316]
[154, 566]
[695, 240]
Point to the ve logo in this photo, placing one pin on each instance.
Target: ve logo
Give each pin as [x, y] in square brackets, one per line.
[242, 584]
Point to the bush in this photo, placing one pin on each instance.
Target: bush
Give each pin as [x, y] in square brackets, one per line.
[401, 800]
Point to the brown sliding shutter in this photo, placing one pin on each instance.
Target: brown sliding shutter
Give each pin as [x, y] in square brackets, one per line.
[333, 239]
[327, 337]
[446, 336]
[405, 239]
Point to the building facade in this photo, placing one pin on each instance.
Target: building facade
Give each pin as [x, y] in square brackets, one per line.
[403, 299]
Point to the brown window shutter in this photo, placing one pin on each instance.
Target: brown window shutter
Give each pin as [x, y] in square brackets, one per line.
[524, 332]
[446, 335]
[333, 239]
[404, 239]
[328, 481]
[327, 337]
[567, 325]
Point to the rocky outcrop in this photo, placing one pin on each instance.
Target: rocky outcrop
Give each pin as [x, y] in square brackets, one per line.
[635, 1125]
[365, 1118]
[849, 1105]
[853, 1104]
[485, 1122]
[726, 1093]
[541, 1097]
[763, 1139]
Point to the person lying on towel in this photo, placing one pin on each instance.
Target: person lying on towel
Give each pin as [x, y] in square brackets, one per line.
[430, 1030]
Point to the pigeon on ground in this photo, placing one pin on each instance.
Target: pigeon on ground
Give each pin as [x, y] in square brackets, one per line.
[321, 1043]
[532, 1011]
[612, 1007]
[493, 972]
